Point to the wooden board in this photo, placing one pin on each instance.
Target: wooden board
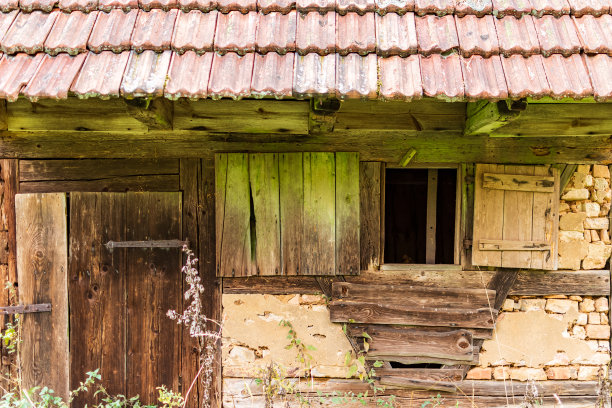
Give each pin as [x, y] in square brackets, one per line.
[488, 216]
[291, 211]
[153, 287]
[347, 214]
[265, 217]
[518, 182]
[370, 214]
[432, 200]
[113, 184]
[517, 217]
[357, 330]
[42, 265]
[319, 234]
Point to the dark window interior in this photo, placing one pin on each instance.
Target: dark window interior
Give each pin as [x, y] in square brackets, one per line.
[395, 364]
[406, 215]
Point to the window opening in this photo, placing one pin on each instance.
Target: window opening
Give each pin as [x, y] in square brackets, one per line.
[420, 211]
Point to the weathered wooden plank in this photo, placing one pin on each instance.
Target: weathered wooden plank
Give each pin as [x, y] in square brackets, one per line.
[412, 296]
[153, 287]
[42, 257]
[518, 182]
[501, 283]
[220, 190]
[466, 214]
[271, 285]
[156, 113]
[370, 214]
[291, 175]
[484, 117]
[551, 234]
[419, 267]
[347, 213]
[432, 202]
[518, 220]
[566, 174]
[319, 233]
[488, 216]
[234, 242]
[431, 374]
[166, 182]
[265, 219]
[357, 330]
[508, 245]
[542, 221]
[63, 170]
[358, 312]
[414, 384]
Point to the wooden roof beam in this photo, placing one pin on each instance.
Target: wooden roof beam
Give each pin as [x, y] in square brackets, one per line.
[156, 113]
[322, 115]
[485, 117]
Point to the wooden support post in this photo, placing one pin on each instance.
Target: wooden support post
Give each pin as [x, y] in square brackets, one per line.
[485, 117]
[155, 113]
[322, 117]
[432, 201]
[10, 176]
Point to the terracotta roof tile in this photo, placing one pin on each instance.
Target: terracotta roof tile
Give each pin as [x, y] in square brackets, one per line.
[595, 33]
[6, 19]
[125, 5]
[54, 77]
[30, 5]
[113, 31]
[436, 34]
[442, 77]
[396, 34]
[230, 76]
[355, 33]
[516, 8]
[314, 75]
[517, 36]
[484, 78]
[477, 35]
[357, 6]
[101, 75]
[276, 32]
[555, 7]
[153, 30]
[70, 33]
[15, 73]
[393, 6]
[356, 76]
[320, 6]
[236, 32]
[194, 31]
[600, 72]
[28, 32]
[438, 7]
[400, 78]
[593, 7]
[525, 76]
[166, 5]
[557, 35]
[202, 5]
[243, 6]
[273, 75]
[473, 7]
[567, 76]
[8, 5]
[85, 6]
[145, 74]
[316, 33]
[188, 75]
[281, 6]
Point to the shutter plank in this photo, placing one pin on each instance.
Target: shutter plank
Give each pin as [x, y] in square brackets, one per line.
[488, 216]
[291, 211]
[318, 245]
[220, 187]
[370, 206]
[518, 182]
[42, 265]
[518, 220]
[265, 191]
[347, 213]
[541, 222]
[507, 245]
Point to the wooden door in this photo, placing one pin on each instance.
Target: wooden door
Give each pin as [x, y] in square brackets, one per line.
[119, 298]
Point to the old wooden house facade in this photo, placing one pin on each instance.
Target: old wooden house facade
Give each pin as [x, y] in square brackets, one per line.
[423, 183]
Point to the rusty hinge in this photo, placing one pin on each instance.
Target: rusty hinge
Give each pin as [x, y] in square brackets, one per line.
[164, 243]
[19, 309]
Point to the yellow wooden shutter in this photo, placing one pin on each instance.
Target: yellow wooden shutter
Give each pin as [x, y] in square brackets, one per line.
[287, 213]
[516, 216]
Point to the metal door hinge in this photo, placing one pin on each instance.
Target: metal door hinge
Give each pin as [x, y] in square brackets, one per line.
[19, 309]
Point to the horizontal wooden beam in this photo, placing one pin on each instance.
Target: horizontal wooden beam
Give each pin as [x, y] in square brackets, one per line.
[35, 308]
[505, 245]
[155, 113]
[485, 117]
[518, 182]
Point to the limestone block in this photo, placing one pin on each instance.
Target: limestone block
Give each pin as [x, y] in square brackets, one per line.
[601, 304]
[594, 236]
[239, 355]
[583, 319]
[560, 305]
[604, 318]
[593, 344]
[605, 209]
[600, 196]
[563, 207]
[508, 305]
[527, 374]
[583, 168]
[578, 180]
[595, 223]
[600, 170]
[600, 183]
[598, 331]
[587, 236]
[598, 254]
[479, 373]
[604, 345]
[572, 252]
[558, 373]
[579, 332]
[592, 209]
[587, 305]
[594, 318]
[597, 358]
[605, 236]
[567, 236]
[588, 180]
[576, 298]
[573, 221]
[501, 373]
[577, 194]
[526, 305]
[588, 373]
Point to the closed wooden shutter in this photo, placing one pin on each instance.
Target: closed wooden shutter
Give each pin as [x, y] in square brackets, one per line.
[516, 215]
[287, 214]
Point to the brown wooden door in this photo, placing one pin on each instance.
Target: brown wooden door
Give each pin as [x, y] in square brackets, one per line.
[118, 298]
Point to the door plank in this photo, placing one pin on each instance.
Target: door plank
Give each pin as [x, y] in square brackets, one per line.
[370, 214]
[488, 216]
[291, 176]
[518, 220]
[42, 265]
[432, 203]
[347, 213]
